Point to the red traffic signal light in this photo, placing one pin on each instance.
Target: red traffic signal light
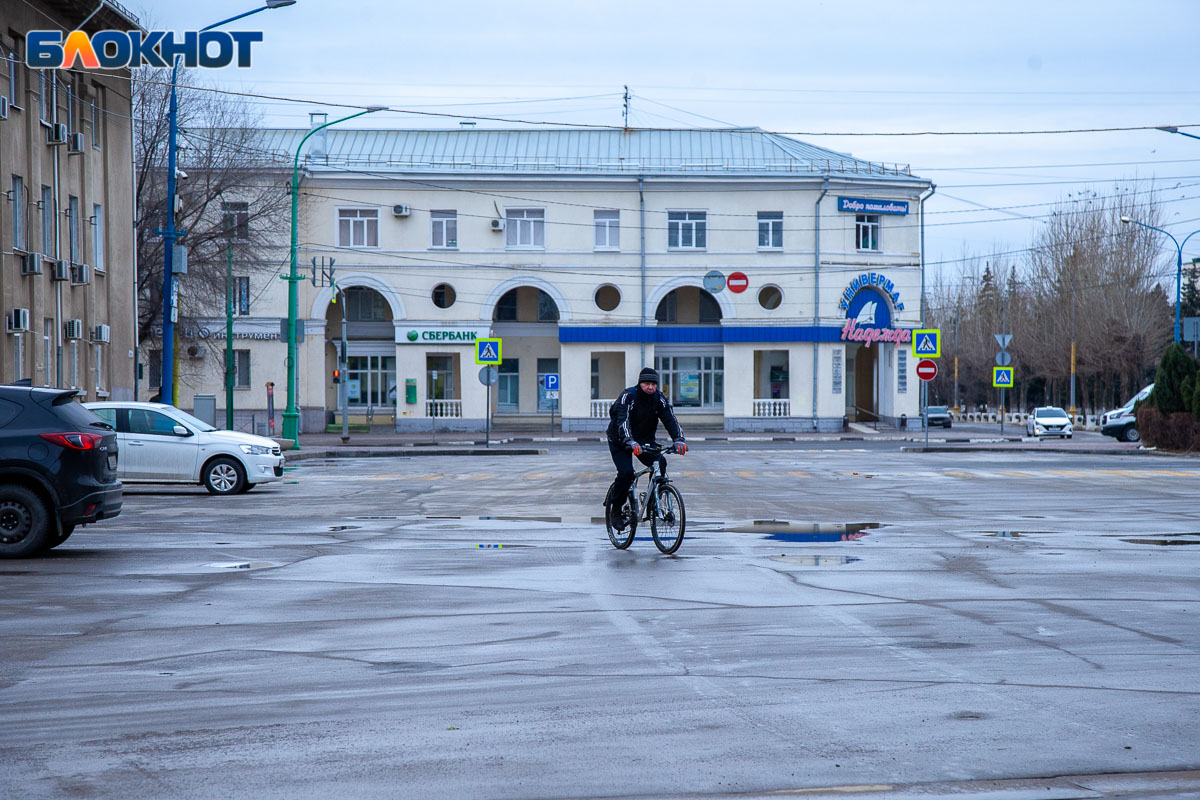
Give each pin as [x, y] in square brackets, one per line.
[337, 376]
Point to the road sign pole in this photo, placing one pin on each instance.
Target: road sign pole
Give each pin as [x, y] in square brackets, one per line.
[487, 440]
[925, 410]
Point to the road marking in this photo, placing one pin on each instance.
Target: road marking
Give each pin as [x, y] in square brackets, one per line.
[537, 476]
[430, 477]
[744, 474]
[1070, 473]
[799, 474]
[1015, 474]
[1175, 472]
[957, 474]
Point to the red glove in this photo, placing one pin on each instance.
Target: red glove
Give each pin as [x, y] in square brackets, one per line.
[636, 448]
[681, 447]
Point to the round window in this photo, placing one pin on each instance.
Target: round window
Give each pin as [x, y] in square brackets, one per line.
[608, 297]
[443, 295]
[769, 297]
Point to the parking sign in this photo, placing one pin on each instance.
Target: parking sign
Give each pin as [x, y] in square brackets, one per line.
[551, 381]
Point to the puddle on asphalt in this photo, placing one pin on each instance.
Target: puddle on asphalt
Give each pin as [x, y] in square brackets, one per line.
[241, 565]
[1014, 534]
[816, 561]
[346, 528]
[784, 531]
[1163, 542]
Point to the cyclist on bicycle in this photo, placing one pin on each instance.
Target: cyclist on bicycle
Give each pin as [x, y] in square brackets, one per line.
[634, 418]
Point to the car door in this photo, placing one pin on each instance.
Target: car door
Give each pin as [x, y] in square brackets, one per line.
[157, 453]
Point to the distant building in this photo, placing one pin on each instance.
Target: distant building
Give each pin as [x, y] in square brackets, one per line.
[66, 232]
[773, 284]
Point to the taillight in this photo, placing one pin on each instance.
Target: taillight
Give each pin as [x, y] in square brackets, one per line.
[74, 441]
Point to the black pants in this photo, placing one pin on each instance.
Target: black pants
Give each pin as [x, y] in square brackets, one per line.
[623, 459]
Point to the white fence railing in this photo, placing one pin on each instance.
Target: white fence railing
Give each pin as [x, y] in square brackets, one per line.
[599, 409]
[443, 408]
[1018, 418]
[772, 408]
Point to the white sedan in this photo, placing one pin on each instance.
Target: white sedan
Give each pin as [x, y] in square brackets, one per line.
[1049, 421]
[159, 443]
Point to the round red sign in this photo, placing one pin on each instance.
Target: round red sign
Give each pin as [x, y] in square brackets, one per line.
[737, 282]
[927, 369]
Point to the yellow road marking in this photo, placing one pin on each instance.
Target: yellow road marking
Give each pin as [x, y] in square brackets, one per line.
[1174, 472]
[432, 477]
[744, 474]
[1066, 472]
[534, 476]
[799, 474]
[958, 474]
[693, 474]
[1015, 474]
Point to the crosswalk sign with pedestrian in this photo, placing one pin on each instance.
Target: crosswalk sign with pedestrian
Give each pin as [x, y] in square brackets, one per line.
[1002, 377]
[927, 343]
[487, 351]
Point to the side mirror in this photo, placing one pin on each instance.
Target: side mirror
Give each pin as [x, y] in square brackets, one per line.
[181, 431]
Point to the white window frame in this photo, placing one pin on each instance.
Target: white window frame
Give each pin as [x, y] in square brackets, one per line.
[73, 228]
[443, 229]
[74, 364]
[46, 97]
[688, 225]
[607, 225]
[18, 356]
[235, 220]
[241, 369]
[99, 367]
[365, 216]
[770, 223]
[901, 370]
[14, 87]
[526, 223]
[48, 221]
[98, 237]
[47, 349]
[97, 116]
[17, 186]
[867, 230]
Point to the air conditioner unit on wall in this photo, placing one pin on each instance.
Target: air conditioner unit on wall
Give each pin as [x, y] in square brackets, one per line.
[3, 107]
[195, 351]
[401, 211]
[81, 274]
[75, 143]
[31, 264]
[73, 329]
[62, 270]
[100, 333]
[57, 134]
[17, 320]
[497, 224]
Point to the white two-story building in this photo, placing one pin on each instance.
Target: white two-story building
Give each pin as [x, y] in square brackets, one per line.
[773, 284]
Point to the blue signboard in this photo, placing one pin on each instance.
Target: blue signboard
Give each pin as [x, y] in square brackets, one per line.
[551, 381]
[865, 205]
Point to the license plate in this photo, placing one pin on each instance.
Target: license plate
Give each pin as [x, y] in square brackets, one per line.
[112, 461]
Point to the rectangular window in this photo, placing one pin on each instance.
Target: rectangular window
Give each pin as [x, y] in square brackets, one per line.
[439, 375]
[445, 228]
[687, 230]
[525, 228]
[770, 230]
[72, 121]
[506, 307]
[155, 368]
[15, 63]
[74, 364]
[608, 230]
[97, 116]
[46, 96]
[235, 220]
[371, 380]
[692, 381]
[99, 350]
[595, 378]
[241, 295]
[544, 366]
[837, 371]
[18, 212]
[358, 227]
[73, 227]
[97, 238]
[18, 357]
[48, 221]
[866, 231]
[508, 389]
[241, 369]
[901, 370]
[48, 350]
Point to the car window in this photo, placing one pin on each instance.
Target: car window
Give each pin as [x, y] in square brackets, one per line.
[76, 415]
[109, 415]
[8, 412]
[195, 422]
[143, 420]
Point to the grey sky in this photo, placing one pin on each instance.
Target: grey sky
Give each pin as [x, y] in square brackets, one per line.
[814, 67]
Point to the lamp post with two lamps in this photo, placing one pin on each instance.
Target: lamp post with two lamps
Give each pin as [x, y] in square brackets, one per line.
[291, 416]
[169, 233]
[1178, 265]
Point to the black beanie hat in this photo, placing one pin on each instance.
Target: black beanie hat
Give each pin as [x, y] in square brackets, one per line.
[648, 375]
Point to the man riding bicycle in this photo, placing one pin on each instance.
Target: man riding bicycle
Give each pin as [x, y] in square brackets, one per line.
[634, 418]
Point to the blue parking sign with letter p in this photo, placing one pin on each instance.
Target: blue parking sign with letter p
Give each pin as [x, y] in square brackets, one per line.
[551, 381]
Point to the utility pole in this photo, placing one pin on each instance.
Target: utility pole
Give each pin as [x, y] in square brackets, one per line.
[625, 110]
[956, 312]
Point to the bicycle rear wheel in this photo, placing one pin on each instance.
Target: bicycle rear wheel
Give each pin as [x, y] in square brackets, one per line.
[668, 520]
[620, 524]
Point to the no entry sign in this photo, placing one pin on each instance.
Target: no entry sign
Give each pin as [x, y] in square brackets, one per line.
[927, 369]
[737, 282]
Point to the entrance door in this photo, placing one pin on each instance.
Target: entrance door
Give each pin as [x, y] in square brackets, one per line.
[864, 366]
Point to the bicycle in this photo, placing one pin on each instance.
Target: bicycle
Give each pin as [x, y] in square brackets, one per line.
[661, 504]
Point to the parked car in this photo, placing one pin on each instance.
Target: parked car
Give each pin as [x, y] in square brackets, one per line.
[161, 444]
[938, 415]
[1049, 421]
[1120, 422]
[58, 469]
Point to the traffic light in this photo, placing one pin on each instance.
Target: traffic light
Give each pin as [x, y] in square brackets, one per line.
[337, 375]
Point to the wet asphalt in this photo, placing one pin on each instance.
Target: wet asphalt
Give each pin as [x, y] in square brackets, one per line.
[840, 615]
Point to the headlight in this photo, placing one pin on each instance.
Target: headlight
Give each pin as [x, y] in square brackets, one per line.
[255, 450]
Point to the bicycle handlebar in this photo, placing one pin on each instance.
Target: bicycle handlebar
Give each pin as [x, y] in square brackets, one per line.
[652, 448]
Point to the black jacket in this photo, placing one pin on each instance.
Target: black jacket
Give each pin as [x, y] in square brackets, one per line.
[634, 416]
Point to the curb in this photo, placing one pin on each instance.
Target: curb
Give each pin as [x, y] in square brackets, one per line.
[404, 452]
[996, 449]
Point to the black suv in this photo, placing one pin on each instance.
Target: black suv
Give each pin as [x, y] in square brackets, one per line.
[58, 469]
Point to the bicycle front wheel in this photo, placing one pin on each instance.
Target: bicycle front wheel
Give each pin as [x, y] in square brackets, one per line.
[668, 520]
[620, 524]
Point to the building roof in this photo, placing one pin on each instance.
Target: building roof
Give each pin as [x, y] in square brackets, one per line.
[591, 151]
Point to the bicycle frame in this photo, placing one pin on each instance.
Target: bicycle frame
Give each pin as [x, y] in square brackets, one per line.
[657, 478]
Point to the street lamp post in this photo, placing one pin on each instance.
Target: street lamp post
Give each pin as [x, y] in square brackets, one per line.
[169, 233]
[291, 416]
[1178, 265]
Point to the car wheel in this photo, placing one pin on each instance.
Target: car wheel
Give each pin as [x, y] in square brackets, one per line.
[224, 476]
[24, 523]
[1130, 434]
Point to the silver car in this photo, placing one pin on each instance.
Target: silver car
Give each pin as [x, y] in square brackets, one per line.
[1049, 421]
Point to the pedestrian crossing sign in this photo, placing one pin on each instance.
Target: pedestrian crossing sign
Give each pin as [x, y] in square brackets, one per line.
[927, 343]
[487, 351]
[1002, 377]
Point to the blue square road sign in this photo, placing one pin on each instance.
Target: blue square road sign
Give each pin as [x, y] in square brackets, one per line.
[551, 381]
